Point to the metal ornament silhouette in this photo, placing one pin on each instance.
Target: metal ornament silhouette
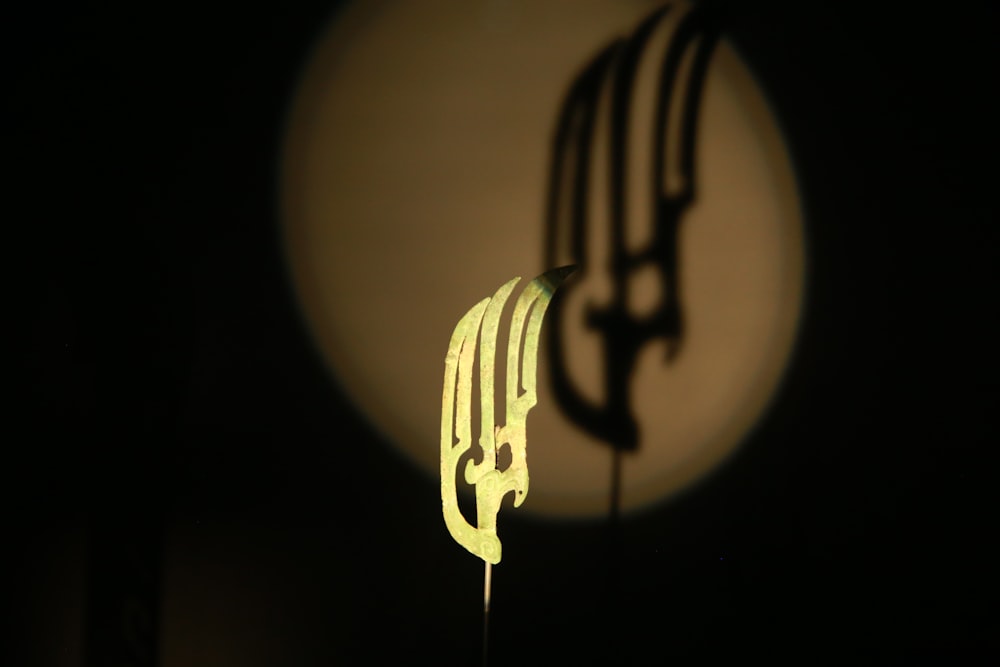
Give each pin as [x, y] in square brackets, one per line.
[680, 78]
[492, 483]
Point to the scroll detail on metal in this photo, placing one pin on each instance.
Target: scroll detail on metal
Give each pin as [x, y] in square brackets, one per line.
[482, 321]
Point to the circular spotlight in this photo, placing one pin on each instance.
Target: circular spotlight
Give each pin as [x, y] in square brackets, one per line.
[415, 180]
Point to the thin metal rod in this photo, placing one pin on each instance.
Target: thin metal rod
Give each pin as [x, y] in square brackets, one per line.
[487, 583]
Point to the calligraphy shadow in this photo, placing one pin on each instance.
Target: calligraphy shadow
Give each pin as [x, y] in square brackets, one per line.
[601, 98]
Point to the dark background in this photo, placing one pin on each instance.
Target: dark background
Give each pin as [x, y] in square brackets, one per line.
[183, 479]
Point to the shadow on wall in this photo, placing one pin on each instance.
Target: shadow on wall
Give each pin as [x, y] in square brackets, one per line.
[575, 220]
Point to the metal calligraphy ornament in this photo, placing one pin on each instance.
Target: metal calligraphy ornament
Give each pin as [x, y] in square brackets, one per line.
[492, 483]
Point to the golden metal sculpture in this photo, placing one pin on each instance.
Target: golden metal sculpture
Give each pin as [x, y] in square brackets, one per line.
[492, 483]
